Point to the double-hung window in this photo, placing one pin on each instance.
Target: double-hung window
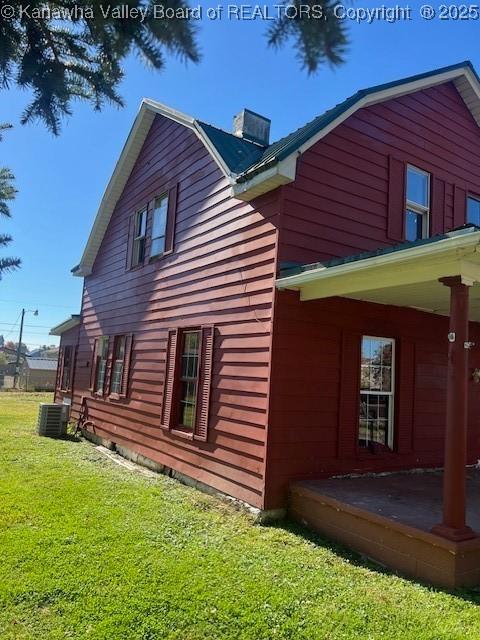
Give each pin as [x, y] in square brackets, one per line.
[473, 210]
[189, 378]
[376, 391]
[159, 225]
[417, 215]
[139, 238]
[101, 364]
[109, 374]
[118, 364]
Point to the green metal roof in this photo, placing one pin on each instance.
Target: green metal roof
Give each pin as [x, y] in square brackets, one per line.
[237, 153]
[246, 159]
[286, 271]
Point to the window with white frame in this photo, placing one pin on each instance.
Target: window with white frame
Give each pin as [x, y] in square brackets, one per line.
[376, 391]
[118, 364]
[417, 215]
[159, 225]
[139, 235]
[101, 356]
[473, 210]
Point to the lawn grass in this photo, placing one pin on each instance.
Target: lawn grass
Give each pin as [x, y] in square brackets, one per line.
[89, 549]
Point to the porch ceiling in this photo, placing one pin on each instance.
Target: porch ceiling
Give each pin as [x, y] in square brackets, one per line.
[406, 276]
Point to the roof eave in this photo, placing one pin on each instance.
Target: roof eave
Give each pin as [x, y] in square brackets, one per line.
[66, 325]
[279, 174]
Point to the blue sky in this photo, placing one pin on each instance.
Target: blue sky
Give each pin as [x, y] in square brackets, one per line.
[61, 180]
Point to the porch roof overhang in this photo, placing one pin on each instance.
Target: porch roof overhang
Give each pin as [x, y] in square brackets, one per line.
[406, 275]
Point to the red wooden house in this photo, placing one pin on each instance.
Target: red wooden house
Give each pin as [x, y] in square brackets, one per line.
[262, 317]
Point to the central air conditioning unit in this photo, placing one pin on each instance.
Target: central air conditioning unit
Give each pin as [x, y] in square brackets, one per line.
[52, 420]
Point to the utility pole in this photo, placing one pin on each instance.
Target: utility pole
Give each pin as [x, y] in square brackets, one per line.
[19, 346]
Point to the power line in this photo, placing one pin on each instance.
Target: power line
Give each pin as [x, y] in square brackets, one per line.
[38, 304]
[33, 326]
[35, 333]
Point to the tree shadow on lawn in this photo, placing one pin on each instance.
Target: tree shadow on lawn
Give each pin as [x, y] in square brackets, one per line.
[357, 559]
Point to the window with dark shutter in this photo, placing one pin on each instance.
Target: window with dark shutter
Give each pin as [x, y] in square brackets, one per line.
[417, 213]
[163, 218]
[100, 365]
[159, 225]
[117, 365]
[120, 366]
[188, 379]
[136, 244]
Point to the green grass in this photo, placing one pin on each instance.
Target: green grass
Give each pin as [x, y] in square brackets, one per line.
[89, 549]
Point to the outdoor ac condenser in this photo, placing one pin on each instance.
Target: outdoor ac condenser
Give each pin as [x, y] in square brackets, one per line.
[51, 420]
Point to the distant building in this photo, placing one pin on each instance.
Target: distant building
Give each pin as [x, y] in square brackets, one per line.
[38, 374]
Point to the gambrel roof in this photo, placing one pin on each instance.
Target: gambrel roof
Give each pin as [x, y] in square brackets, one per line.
[253, 169]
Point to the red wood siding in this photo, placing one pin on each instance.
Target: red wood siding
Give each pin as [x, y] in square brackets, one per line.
[348, 197]
[220, 273]
[315, 390]
[339, 202]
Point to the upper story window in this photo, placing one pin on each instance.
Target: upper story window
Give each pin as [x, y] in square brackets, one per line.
[158, 220]
[159, 225]
[139, 237]
[417, 215]
[473, 210]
